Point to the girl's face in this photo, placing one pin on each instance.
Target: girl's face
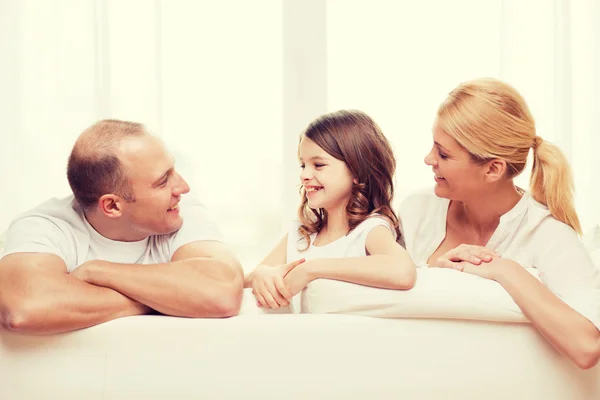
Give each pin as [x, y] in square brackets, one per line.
[327, 181]
[457, 177]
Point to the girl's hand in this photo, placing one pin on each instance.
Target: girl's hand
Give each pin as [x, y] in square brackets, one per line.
[463, 256]
[296, 280]
[268, 285]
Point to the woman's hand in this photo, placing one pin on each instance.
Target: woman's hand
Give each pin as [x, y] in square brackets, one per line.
[268, 284]
[465, 256]
[492, 269]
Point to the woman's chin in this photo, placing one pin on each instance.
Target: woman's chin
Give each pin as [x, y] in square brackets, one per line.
[440, 191]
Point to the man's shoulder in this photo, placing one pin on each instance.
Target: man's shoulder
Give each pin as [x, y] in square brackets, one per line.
[54, 226]
[54, 210]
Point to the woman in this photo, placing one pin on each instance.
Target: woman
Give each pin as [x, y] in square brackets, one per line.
[477, 221]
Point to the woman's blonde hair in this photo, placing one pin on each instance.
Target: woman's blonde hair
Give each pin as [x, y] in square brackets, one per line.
[490, 119]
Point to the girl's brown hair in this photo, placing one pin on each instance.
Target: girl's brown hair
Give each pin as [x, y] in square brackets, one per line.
[354, 138]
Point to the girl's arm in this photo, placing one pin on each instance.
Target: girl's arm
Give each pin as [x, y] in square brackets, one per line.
[387, 266]
[266, 280]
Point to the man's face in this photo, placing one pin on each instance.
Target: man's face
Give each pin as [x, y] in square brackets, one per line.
[156, 185]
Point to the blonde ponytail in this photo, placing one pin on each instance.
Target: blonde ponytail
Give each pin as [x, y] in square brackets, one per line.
[551, 182]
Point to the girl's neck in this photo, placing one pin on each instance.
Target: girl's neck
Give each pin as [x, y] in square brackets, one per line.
[337, 223]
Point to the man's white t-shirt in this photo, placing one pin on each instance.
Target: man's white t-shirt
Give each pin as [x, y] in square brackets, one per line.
[59, 227]
[527, 234]
[351, 245]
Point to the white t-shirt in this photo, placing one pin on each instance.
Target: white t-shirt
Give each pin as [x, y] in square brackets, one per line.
[527, 234]
[351, 245]
[59, 227]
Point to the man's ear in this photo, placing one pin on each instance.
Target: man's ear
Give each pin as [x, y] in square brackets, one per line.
[495, 170]
[111, 205]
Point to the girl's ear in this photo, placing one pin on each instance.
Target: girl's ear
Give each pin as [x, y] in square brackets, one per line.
[355, 180]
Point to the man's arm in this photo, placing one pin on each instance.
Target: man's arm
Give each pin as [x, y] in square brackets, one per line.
[203, 279]
[37, 296]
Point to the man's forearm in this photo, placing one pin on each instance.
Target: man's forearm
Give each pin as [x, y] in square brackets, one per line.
[194, 287]
[53, 309]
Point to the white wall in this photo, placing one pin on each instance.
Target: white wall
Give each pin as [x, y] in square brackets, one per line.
[230, 85]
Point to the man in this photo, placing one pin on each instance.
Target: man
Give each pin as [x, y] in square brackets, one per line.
[121, 245]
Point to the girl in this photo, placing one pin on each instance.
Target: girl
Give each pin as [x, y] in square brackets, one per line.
[347, 229]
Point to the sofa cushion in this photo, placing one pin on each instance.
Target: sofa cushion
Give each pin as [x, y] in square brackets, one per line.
[438, 293]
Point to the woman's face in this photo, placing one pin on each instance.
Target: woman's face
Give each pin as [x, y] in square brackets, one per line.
[456, 175]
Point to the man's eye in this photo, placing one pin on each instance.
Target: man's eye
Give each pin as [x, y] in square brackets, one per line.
[163, 183]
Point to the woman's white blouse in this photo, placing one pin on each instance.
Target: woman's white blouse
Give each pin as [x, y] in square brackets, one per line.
[527, 234]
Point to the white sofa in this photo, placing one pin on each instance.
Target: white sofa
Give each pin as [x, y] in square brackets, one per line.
[453, 336]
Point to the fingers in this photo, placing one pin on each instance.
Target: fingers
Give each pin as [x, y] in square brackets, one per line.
[471, 253]
[268, 296]
[465, 255]
[293, 265]
[282, 289]
[261, 300]
[278, 297]
[270, 301]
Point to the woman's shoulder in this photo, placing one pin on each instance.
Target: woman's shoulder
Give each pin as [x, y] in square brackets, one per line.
[543, 225]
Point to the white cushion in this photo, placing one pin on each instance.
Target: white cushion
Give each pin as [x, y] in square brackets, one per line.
[438, 293]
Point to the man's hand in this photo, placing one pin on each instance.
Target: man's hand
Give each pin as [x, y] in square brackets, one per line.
[85, 271]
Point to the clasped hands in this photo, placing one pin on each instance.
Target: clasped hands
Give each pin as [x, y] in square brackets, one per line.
[275, 286]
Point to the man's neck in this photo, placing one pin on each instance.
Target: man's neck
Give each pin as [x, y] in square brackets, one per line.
[110, 230]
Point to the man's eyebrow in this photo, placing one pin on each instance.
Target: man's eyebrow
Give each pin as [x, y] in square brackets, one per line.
[162, 177]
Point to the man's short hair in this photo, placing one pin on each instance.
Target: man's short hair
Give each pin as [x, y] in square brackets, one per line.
[94, 169]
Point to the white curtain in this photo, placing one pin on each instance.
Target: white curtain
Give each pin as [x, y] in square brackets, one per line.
[229, 85]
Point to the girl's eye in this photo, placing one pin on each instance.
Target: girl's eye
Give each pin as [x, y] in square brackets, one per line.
[302, 166]
[319, 165]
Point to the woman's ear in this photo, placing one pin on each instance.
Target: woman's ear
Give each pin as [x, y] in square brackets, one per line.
[355, 180]
[496, 169]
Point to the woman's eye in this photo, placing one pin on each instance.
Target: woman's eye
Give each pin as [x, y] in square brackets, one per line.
[319, 165]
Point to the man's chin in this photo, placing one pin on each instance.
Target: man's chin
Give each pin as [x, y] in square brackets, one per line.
[173, 227]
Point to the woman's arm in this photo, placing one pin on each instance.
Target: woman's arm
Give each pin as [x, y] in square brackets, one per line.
[565, 305]
[566, 329]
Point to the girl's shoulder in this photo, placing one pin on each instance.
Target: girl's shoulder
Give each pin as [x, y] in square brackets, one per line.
[373, 221]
